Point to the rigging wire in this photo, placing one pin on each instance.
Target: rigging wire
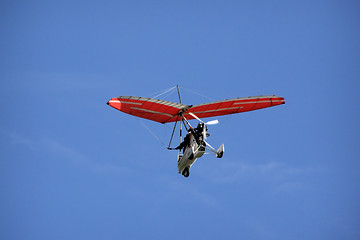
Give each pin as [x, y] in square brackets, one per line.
[168, 94]
[152, 133]
[167, 90]
[157, 92]
[192, 91]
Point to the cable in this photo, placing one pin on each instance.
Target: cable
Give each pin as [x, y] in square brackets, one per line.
[167, 90]
[152, 133]
[198, 94]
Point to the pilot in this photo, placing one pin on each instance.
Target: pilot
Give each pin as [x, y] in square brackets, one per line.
[184, 143]
[199, 129]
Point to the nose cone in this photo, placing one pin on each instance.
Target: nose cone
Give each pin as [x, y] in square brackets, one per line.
[115, 103]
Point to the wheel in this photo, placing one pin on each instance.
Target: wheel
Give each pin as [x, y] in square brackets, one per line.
[186, 172]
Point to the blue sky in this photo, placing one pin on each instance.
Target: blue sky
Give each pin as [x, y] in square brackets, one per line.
[73, 168]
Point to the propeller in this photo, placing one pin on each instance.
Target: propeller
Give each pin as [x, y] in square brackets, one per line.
[212, 122]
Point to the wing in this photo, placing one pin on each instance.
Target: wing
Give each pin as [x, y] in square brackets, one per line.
[230, 106]
[165, 111]
[149, 108]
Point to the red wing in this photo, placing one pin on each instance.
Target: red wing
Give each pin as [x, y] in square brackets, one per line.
[230, 106]
[149, 108]
[165, 111]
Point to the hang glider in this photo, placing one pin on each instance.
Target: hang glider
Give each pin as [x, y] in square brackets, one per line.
[195, 144]
[164, 111]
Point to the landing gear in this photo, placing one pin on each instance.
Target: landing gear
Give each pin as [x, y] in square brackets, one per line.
[186, 172]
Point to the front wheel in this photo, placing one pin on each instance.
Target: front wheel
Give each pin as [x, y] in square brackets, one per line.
[186, 172]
